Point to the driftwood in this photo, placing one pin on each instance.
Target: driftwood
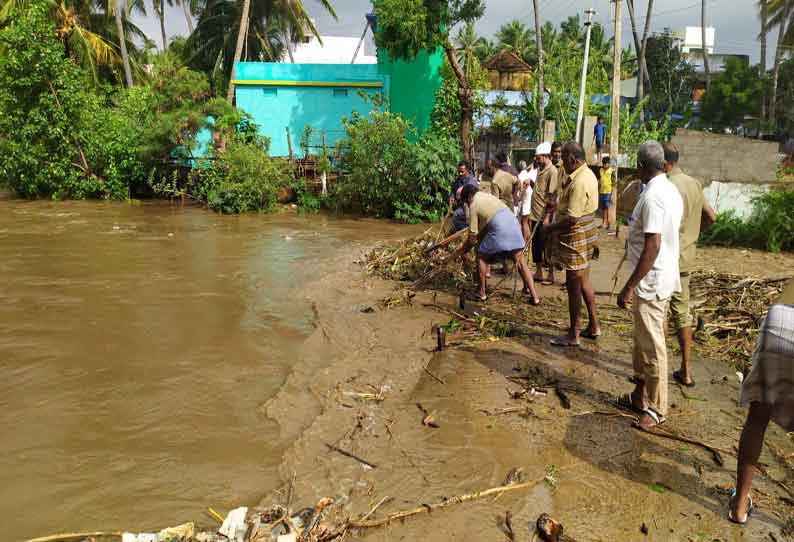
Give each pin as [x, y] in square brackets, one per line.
[351, 456]
[427, 508]
[664, 433]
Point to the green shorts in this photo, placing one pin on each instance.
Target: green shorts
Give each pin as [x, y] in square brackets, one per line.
[679, 306]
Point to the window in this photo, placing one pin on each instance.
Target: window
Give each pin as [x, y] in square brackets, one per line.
[340, 92]
[270, 92]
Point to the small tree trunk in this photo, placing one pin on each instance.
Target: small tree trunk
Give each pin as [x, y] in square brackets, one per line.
[188, 15]
[703, 44]
[238, 50]
[161, 16]
[762, 64]
[541, 92]
[465, 98]
[125, 58]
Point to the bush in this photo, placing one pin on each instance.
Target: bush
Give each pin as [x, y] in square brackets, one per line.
[387, 176]
[242, 178]
[769, 227]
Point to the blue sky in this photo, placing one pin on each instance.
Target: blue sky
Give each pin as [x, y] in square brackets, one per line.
[736, 21]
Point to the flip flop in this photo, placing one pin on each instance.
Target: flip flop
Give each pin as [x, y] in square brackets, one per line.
[730, 511]
[563, 342]
[547, 283]
[624, 402]
[657, 418]
[591, 336]
[534, 302]
[476, 297]
[677, 377]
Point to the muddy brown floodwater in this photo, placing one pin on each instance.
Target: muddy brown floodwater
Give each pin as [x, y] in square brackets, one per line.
[137, 345]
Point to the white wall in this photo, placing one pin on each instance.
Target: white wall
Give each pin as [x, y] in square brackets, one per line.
[333, 50]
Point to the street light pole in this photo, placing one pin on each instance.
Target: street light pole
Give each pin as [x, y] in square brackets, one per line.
[583, 85]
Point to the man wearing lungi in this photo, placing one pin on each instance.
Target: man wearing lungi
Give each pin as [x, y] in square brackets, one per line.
[499, 235]
[575, 237]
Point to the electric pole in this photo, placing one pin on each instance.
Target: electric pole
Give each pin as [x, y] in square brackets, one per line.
[583, 85]
[614, 132]
[706, 68]
[541, 97]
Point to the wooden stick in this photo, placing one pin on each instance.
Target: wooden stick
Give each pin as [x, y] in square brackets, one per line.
[383, 501]
[452, 238]
[431, 374]
[64, 537]
[443, 504]
[715, 452]
[351, 456]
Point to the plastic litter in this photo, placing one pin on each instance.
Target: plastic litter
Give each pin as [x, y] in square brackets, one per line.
[234, 527]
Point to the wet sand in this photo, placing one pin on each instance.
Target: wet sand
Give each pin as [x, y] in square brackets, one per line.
[610, 478]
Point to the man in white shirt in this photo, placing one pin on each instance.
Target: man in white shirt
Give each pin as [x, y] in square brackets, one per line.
[527, 178]
[653, 250]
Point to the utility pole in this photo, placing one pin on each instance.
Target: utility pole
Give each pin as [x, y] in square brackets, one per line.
[583, 85]
[541, 97]
[614, 132]
[706, 68]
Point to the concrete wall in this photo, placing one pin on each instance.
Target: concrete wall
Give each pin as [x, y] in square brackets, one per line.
[712, 157]
[281, 96]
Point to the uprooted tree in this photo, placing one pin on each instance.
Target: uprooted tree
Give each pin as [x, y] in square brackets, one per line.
[407, 27]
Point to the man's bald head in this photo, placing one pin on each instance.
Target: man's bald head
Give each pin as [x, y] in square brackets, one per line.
[573, 156]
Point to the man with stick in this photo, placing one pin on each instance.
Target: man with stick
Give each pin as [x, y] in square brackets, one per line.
[698, 216]
[455, 203]
[653, 250]
[543, 194]
[575, 240]
[496, 229]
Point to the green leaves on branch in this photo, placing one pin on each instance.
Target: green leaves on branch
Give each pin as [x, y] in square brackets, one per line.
[388, 176]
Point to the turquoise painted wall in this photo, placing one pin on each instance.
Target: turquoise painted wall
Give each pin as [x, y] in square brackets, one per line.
[282, 103]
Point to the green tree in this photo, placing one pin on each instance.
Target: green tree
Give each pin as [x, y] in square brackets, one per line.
[406, 27]
[673, 77]
[734, 94]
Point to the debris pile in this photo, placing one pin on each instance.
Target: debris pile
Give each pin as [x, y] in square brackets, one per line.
[730, 309]
[423, 261]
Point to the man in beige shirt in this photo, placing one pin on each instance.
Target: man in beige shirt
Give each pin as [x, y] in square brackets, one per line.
[698, 216]
[576, 238]
[505, 186]
[543, 194]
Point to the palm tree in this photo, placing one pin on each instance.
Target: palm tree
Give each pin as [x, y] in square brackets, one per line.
[159, 9]
[83, 32]
[703, 44]
[120, 9]
[764, 6]
[515, 36]
[640, 46]
[290, 13]
[465, 42]
[189, 7]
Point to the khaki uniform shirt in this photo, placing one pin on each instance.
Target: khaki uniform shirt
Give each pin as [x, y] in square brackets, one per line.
[503, 186]
[545, 186]
[579, 195]
[482, 209]
[692, 194]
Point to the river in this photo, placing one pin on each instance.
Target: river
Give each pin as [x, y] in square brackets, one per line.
[137, 345]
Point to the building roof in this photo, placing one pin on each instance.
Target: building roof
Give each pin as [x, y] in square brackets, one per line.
[507, 61]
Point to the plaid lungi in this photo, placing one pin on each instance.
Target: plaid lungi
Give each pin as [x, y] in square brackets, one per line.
[771, 378]
[574, 249]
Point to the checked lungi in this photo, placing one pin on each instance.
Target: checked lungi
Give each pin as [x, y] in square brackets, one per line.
[771, 378]
[574, 249]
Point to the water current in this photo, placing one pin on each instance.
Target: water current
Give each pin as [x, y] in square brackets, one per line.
[136, 344]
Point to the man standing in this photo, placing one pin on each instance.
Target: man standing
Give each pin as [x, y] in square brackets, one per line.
[698, 216]
[505, 185]
[599, 137]
[605, 191]
[653, 250]
[455, 203]
[526, 178]
[542, 195]
[576, 234]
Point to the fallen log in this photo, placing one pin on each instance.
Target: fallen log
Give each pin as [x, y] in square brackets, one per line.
[441, 244]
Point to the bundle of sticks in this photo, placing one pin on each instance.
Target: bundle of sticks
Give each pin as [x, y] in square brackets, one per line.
[730, 309]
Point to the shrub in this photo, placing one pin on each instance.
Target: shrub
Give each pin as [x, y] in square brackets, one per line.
[387, 176]
[769, 227]
[242, 178]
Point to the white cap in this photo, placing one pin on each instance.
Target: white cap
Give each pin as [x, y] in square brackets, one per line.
[543, 148]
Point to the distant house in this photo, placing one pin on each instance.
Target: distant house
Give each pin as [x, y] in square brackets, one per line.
[508, 71]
